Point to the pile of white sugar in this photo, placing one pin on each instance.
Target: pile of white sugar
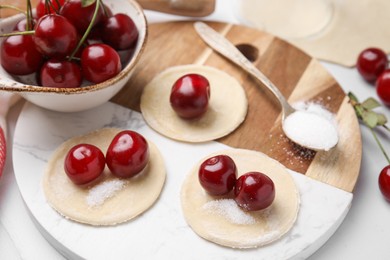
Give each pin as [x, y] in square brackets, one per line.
[312, 126]
[103, 191]
[229, 209]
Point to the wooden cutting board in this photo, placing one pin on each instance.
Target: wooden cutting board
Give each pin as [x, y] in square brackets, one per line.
[298, 76]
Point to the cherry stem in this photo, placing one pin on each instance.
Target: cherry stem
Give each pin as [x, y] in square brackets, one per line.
[386, 127]
[87, 31]
[105, 11]
[29, 17]
[74, 58]
[59, 6]
[49, 4]
[31, 32]
[380, 145]
[12, 7]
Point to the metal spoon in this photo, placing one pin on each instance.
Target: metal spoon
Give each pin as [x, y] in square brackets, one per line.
[223, 46]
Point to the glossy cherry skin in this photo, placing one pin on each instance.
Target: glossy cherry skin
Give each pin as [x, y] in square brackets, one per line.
[254, 191]
[383, 87]
[384, 182]
[84, 163]
[190, 96]
[371, 63]
[41, 9]
[100, 62]
[60, 74]
[217, 175]
[119, 31]
[127, 154]
[19, 55]
[55, 36]
[80, 16]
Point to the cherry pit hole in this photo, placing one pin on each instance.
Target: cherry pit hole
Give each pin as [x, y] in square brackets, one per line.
[249, 51]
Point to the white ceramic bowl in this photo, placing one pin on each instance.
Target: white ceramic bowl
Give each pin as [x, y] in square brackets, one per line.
[86, 97]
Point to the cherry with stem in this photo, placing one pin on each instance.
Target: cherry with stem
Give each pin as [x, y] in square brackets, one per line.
[87, 31]
[364, 112]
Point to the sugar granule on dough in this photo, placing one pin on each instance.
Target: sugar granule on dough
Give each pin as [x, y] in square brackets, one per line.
[229, 209]
[103, 191]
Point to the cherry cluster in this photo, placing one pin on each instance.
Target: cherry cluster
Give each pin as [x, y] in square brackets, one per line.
[126, 156]
[67, 41]
[252, 191]
[373, 65]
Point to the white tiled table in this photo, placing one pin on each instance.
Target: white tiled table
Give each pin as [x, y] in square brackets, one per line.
[364, 234]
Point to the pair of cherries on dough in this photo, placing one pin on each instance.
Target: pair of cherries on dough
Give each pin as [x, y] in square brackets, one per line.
[252, 191]
[126, 156]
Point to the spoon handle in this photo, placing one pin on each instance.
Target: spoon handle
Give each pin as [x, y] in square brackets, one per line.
[222, 45]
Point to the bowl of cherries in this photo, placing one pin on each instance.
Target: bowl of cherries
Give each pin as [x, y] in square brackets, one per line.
[71, 55]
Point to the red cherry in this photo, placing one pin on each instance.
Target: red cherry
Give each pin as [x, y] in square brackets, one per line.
[128, 154]
[371, 63]
[217, 175]
[384, 182]
[80, 16]
[60, 74]
[190, 96]
[55, 36]
[383, 87]
[19, 55]
[84, 163]
[100, 62]
[119, 31]
[254, 191]
[42, 9]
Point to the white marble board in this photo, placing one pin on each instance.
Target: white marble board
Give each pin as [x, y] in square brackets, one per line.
[160, 232]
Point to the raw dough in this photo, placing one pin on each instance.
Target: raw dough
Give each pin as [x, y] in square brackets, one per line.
[242, 229]
[344, 37]
[227, 106]
[288, 19]
[136, 196]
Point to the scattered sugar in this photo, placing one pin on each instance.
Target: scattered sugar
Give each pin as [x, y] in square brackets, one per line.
[229, 209]
[312, 125]
[295, 155]
[103, 191]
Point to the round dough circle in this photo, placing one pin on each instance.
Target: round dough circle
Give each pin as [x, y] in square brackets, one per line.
[135, 196]
[227, 105]
[265, 226]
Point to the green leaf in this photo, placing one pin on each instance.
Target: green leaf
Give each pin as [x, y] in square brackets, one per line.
[382, 120]
[85, 3]
[370, 118]
[370, 103]
[359, 111]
